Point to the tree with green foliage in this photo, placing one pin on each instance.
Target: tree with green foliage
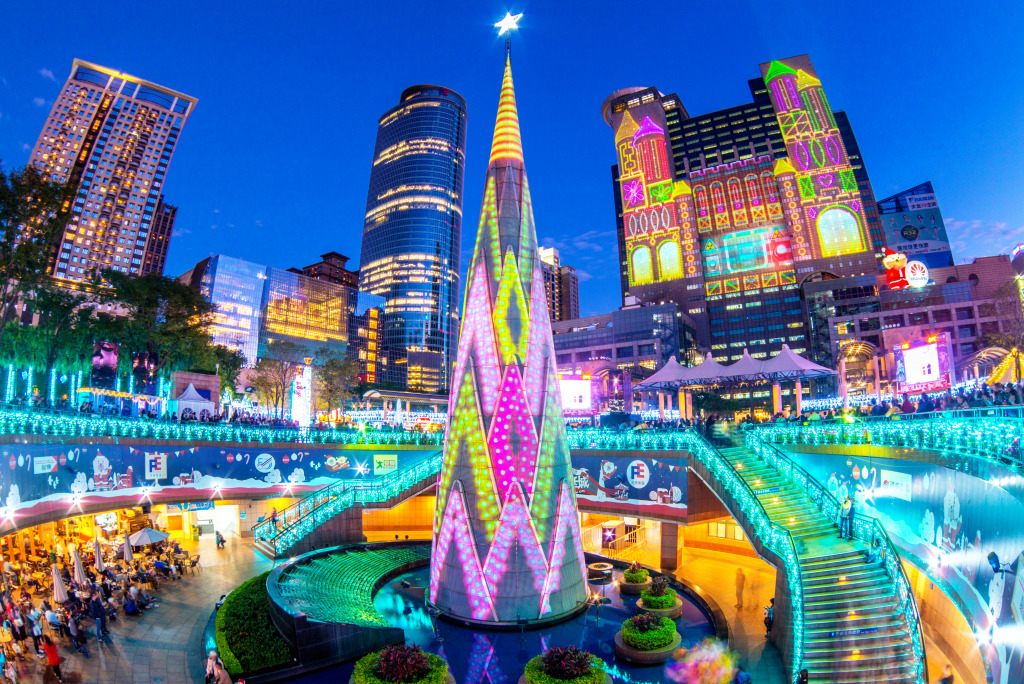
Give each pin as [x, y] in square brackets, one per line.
[63, 327]
[274, 372]
[158, 315]
[334, 379]
[33, 214]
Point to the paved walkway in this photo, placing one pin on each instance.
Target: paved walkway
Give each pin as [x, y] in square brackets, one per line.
[159, 646]
[716, 574]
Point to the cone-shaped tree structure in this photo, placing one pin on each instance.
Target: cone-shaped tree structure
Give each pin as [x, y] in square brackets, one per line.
[507, 542]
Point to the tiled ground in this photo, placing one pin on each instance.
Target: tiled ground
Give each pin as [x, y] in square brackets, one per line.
[156, 647]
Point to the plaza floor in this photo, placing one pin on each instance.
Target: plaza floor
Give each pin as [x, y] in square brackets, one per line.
[165, 644]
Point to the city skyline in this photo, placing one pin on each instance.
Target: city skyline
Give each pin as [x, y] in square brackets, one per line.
[904, 140]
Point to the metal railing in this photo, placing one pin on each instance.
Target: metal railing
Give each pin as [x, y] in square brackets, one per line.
[864, 527]
[305, 515]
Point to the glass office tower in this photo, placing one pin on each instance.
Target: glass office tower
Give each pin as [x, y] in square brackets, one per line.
[411, 234]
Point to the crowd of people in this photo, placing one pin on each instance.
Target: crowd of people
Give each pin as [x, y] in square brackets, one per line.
[123, 589]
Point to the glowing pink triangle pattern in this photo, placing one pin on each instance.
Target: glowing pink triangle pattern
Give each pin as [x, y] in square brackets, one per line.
[455, 525]
[478, 335]
[515, 523]
[566, 523]
[535, 368]
[513, 413]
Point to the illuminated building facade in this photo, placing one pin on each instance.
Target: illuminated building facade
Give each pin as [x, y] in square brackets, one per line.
[159, 237]
[506, 544]
[729, 214]
[412, 231]
[112, 137]
[257, 305]
[561, 285]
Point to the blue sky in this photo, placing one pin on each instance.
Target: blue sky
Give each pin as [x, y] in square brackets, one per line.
[274, 164]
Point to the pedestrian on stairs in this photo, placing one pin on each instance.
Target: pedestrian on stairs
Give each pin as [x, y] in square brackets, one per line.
[802, 678]
[769, 618]
[947, 675]
[846, 519]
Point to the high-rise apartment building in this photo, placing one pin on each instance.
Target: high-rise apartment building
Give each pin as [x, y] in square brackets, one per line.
[112, 137]
[412, 231]
[728, 214]
[561, 286]
[159, 237]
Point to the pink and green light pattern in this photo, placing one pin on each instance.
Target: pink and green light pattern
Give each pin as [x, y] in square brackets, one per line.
[505, 490]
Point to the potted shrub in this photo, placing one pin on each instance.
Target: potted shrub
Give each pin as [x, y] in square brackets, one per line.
[660, 600]
[634, 580]
[647, 639]
[400, 663]
[565, 665]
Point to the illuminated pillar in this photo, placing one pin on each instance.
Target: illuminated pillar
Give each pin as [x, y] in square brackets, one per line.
[681, 402]
[506, 542]
[689, 404]
[798, 390]
[878, 376]
[844, 391]
[661, 405]
[776, 397]
[668, 402]
[643, 401]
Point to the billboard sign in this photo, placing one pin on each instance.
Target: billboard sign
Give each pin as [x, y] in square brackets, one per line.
[916, 231]
[923, 365]
[104, 365]
[577, 397]
[642, 487]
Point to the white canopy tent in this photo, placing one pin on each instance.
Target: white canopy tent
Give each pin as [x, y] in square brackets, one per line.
[191, 399]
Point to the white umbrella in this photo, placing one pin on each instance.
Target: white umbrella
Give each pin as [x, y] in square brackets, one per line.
[98, 553]
[79, 572]
[60, 592]
[147, 535]
[127, 549]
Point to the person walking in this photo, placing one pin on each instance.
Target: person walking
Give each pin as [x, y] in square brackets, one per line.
[220, 540]
[741, 580]
[803, 677]
[845, 518]
[99, 615]
[52, 656]
[947, 675]
[769, 618]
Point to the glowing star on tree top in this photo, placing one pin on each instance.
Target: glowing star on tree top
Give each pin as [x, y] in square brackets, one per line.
[509, 23]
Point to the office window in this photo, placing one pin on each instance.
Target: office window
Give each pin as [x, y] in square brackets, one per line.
[942, 316]
[965, 313]
[919, 318]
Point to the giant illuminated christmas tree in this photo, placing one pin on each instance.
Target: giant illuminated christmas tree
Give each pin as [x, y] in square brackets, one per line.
[506, 533]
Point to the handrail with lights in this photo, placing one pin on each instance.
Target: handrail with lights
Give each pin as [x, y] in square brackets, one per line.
[864, 527]
[305, 515]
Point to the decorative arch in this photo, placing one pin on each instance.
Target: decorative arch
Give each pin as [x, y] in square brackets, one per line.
[640, 265]
[840, 232]
[669, 260]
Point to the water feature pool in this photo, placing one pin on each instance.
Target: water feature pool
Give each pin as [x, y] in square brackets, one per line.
[477, 657]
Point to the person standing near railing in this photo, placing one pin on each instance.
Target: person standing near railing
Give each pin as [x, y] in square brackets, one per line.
[846, 519]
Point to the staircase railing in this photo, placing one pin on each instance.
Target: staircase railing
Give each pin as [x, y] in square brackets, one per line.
[864, 527]
[305, 515]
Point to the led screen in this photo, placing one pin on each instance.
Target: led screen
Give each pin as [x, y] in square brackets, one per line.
[576, 396]
[923, 365]
[746, 250]
[104, 364]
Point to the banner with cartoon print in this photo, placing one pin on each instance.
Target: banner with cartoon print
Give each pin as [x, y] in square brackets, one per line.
[948, 521]
[639, 487]
[33, 472]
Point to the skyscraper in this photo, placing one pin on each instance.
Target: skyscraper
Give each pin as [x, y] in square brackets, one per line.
[507, 545]
[412, 230]
[561, 285]
[159, 237]
[112, 137]
[728, 214]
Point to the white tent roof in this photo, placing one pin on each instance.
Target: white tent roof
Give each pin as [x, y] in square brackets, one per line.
[191, 399]
[705, 373]
[747, 368]
[787, 364]
[669, 375]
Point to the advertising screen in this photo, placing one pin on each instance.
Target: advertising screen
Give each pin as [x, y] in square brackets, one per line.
[917, 233]
[576, 398]
[923, 365]
[104, 364]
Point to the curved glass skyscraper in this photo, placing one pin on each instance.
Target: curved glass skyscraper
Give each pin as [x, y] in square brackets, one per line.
[411, 235]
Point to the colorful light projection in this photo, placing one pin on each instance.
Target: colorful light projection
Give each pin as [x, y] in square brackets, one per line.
[507, 544]
[818, 185]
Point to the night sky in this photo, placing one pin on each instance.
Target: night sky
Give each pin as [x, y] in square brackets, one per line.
[274, 163]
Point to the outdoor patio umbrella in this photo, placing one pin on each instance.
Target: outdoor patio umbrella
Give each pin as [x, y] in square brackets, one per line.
[60, 592]
[98, 553]
[147, 535]
[79, 572]
[127, 549]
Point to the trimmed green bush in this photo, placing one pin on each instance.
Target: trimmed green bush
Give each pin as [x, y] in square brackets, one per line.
[247, 641]
[636, 574]
[535, 673]
[648, 632]
[365, 671]
[663, 602]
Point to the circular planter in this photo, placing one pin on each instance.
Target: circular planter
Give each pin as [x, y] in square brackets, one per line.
[634, 589]
[607, 678]
[626, 652]
[597, 571]
[672, 613]
[450, 679]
